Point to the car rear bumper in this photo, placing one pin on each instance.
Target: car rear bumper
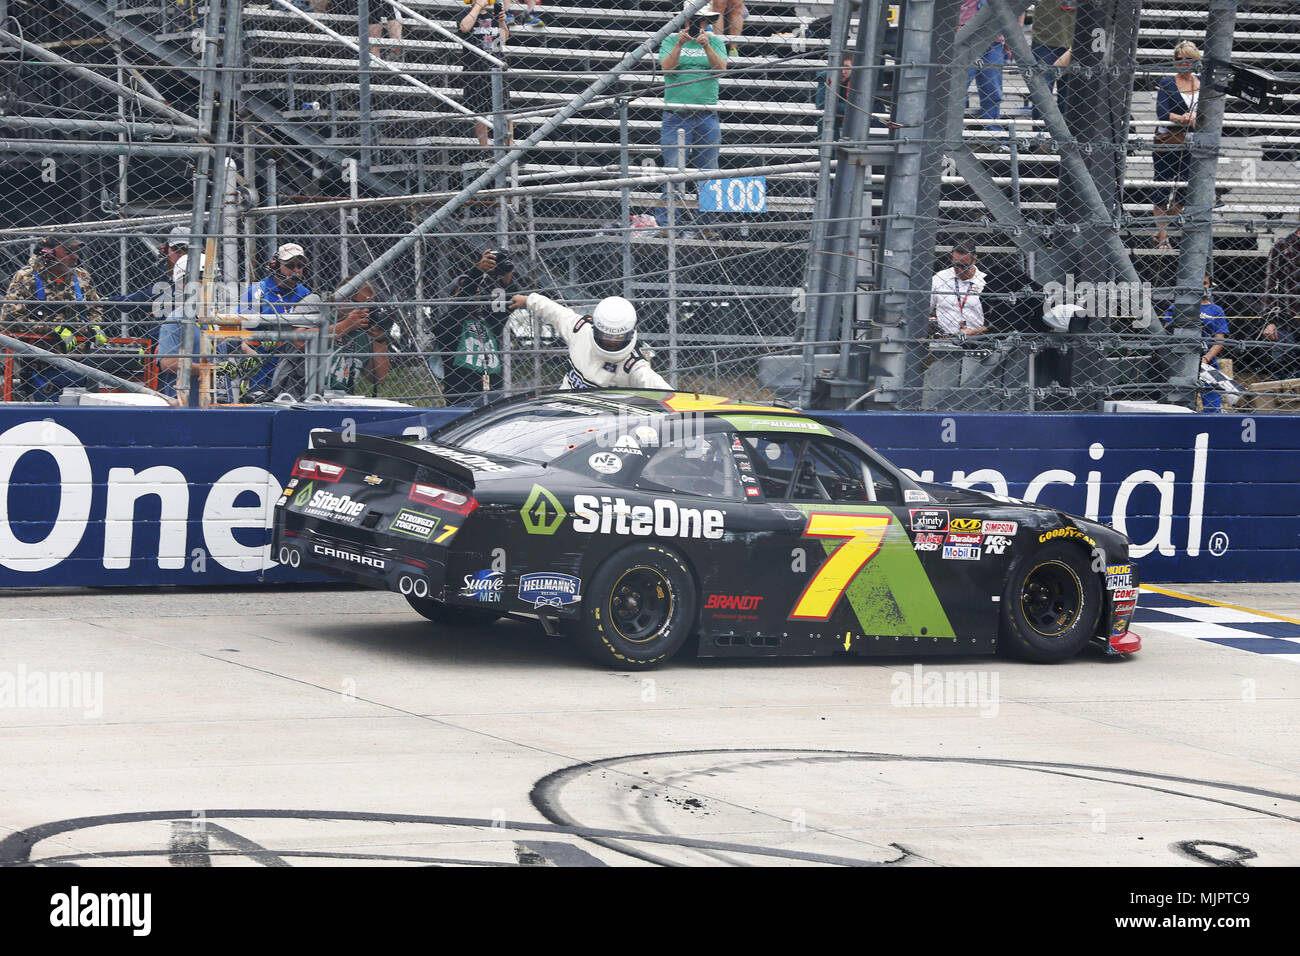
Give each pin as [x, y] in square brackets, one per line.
[364, 564]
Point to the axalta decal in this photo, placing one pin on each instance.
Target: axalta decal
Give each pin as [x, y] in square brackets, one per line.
[664, 518]
[1064, 533]
[871, 564]
[549, 589]
[1092, 502]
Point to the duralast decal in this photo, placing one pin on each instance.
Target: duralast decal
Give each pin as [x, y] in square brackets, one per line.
[963, 538]
[665, 518]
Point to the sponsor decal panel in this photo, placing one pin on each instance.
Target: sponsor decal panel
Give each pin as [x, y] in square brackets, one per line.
[350, 557]
[961, 552]
[549, 589]
[996, 543]
[1068, 533]
[414, 523]
[733, 602]
[911, 495]
[484, 586]
[467, 458]
[1000, 527]
[929, 519]
[963, 539]
[606, 463]
[925, 541]
[1125, 594]
[970, 525]
[627, 445]
[326, 504]
[1119, 576]
[664, 518]
[542, 512]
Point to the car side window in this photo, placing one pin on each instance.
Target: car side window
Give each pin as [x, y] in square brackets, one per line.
[846, 476]
[694, 465]
[774, 458]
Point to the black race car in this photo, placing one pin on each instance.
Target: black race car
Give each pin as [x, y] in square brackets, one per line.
[637, 520]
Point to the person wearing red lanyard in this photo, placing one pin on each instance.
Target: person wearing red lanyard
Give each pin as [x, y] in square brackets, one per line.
[955, 306]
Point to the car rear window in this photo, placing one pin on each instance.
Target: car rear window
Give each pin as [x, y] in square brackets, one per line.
[537, 433]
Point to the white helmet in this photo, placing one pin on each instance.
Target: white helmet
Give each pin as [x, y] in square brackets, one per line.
[614, 328]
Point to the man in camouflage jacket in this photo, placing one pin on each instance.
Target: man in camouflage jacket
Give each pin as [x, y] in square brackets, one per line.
[52, 276]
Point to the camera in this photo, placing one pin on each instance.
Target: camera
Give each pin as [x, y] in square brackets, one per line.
[504, 264]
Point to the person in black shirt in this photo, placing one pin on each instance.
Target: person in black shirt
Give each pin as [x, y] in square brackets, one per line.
[468, 331]
[485, 27]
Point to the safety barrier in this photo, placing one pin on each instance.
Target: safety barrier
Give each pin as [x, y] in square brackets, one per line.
[146, 497]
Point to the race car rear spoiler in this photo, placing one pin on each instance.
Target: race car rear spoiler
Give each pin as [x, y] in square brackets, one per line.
[392, 448]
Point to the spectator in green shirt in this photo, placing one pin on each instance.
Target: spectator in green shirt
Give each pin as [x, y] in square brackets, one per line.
[691, 66]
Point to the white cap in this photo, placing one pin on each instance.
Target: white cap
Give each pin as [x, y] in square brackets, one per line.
[614, 327]
[290, 251]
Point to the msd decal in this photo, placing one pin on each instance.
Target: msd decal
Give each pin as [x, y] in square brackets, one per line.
[925, 541]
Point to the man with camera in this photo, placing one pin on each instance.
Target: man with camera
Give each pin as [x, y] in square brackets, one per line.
[470, 327]
[691, 62]
[52, 303]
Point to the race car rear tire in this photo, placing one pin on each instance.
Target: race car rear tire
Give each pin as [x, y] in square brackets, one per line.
[1050, 607]
[451, 616]
[639, 608]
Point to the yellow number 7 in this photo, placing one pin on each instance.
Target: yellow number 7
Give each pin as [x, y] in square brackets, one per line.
[862, 534]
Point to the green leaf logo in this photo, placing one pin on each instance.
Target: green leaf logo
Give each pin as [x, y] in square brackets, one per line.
[303, 496]
[542, 512]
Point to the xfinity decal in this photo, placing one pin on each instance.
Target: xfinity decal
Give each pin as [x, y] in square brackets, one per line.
[926, 519]
[664, 519]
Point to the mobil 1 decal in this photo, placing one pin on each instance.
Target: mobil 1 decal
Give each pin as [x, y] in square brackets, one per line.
[871, 572]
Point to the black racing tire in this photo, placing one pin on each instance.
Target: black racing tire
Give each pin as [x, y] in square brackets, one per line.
[1051, 605]
[451, 616]
[639, 608]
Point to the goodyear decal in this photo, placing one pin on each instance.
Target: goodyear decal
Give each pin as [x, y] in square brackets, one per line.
[878, 573]
[776, 423]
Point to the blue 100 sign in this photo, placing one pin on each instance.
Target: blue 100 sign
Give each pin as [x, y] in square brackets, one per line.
[748, 194]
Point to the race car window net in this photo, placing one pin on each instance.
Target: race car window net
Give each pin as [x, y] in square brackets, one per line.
[844, 476]
[533, 434]
[693, 465]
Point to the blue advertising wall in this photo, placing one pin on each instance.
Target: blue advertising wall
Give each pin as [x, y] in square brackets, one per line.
[141, 497]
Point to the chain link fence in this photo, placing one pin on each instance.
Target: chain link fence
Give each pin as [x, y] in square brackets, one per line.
[609, 158]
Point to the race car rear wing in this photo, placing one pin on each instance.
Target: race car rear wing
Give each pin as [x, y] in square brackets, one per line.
[339, 444]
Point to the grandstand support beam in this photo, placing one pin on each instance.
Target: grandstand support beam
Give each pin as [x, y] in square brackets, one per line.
[818, 251]
[1003, 208]
[1198, 232]
[552, 123]
[47, 147]
[53, 125]
[1072, 160]
[103, 82]
[909, 225]
[118, 29]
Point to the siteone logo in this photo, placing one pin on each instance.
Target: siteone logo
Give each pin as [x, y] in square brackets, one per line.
[343, 506]
[665, 519]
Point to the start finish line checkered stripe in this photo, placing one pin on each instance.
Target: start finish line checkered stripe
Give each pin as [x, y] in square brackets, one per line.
[1184, 616]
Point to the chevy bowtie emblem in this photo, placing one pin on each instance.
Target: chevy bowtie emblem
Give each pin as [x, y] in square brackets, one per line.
[372, 479]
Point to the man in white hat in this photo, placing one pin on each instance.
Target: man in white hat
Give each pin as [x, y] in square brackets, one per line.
[275, 295]
[602, 346]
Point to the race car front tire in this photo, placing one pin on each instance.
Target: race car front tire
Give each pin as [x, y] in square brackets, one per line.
[440, 613]
[639, 608]
[1051, 604]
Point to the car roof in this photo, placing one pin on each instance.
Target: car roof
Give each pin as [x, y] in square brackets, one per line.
[736, 411]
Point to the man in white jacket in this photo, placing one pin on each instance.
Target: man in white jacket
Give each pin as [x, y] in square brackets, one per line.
[602, 346]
